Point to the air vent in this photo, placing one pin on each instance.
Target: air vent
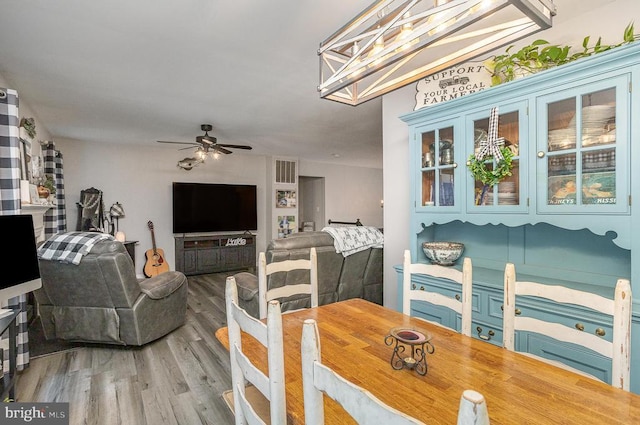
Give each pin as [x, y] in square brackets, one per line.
[285, 171]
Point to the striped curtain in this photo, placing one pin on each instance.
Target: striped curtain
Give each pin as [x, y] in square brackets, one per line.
[55, 219]
[10, 203]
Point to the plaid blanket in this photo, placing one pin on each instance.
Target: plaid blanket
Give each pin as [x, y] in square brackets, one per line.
[69, 247]
[352, 239]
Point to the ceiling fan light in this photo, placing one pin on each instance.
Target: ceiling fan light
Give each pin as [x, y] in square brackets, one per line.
[216, 155]
[201, 154]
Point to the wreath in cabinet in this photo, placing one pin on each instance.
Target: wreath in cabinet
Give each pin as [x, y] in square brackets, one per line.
[493, 176]
[492, 148]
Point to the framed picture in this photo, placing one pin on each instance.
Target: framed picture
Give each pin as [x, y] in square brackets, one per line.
[286, 225]
[285, 199]
[33, 192]
[24, 160]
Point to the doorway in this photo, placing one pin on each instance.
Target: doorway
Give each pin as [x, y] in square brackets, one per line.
[311, 203]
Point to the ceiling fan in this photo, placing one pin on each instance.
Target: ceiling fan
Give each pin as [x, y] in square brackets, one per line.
[205, 145]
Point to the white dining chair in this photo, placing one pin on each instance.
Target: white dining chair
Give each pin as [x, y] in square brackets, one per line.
[318, 379]
[473, 409]
[243, 370]
[365, 408]
[265, 270]
[464, 278]
[619, 308]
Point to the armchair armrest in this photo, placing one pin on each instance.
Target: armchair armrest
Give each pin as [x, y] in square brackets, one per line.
[163, 285]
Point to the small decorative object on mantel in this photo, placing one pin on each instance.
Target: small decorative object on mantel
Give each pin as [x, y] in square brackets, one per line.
[29, 126]
[420, 343]
[46, 187]
[491, 148]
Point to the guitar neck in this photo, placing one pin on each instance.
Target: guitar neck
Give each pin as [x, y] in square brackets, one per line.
[153, 242]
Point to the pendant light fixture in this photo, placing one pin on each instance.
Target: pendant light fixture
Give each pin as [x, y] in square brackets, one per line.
[395, 42]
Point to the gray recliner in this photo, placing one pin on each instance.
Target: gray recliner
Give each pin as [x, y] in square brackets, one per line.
[339, 278]
[101, 300]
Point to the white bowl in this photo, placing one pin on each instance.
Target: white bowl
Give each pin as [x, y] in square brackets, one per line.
[443, 253]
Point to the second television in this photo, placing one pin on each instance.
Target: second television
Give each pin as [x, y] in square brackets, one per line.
[211, 207]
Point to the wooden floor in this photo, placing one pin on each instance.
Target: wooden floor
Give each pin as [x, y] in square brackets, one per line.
[178, 379]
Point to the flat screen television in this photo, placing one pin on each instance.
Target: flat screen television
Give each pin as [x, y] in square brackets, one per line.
[210, 207]
[19, 253]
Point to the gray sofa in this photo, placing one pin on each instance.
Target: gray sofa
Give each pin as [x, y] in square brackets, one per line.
[101, 300]
[339, 278]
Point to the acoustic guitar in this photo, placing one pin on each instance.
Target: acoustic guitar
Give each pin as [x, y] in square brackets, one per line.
[155, 263]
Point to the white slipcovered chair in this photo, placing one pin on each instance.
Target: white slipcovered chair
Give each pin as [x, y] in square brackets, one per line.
[619, 308]
[318, 379]
[309, 286]
[243, 370]
[464, 278]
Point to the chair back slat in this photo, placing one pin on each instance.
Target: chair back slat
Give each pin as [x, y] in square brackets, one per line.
[564, 295]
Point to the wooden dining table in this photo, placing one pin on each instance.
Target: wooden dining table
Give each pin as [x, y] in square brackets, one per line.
[518, 389]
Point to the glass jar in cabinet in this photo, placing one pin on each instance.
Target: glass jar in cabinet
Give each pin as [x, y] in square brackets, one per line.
[583, 149]
[510, 194]
[438, 148]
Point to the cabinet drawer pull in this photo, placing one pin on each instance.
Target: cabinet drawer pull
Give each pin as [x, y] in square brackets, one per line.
[413, 286]
[455, 165]
[579, 326]
[487, 337]
[600, 332]
[458, 297]
[518, 311]
[540, 154]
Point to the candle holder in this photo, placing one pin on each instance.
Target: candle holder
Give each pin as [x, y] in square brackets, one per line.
[418, 341]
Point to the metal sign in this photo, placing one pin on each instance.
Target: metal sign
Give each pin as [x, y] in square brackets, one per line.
[452, 83]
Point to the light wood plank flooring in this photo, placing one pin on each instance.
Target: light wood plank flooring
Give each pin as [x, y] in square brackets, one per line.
[178, 379]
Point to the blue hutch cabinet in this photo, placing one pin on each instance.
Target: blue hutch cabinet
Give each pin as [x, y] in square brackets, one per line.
[565, 215]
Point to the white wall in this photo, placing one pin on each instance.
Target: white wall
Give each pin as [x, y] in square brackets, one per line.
[607, 19]
[25, 112]
[140, 178]
[397, 199]
[350, 192]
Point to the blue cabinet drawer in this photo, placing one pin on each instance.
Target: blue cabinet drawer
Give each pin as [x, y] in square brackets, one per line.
[487, 332]
[436, 314]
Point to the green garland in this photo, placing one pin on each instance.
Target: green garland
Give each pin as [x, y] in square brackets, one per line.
[488, 177]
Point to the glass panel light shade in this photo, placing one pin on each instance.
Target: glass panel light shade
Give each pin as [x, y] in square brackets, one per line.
[395, 42]
[116, 210]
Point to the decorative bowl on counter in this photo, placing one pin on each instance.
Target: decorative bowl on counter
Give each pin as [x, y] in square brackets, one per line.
[443, 253]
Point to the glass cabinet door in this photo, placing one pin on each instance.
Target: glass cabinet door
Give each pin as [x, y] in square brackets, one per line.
[509, 193]
[582, 144]
[437, 185]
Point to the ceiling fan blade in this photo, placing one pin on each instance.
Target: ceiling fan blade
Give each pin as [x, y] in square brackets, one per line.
[178, 143]
[188, 147]
[236, 146]
[219, 148]
[204, 140]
